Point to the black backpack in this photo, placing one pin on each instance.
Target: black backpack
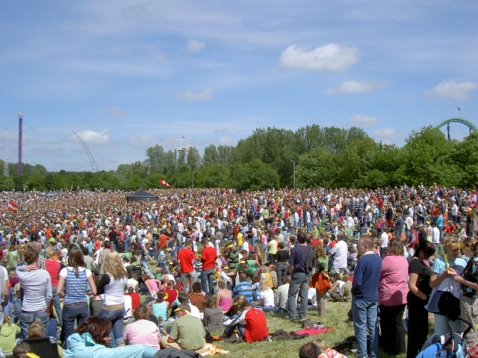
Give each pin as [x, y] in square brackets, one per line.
[311, 259]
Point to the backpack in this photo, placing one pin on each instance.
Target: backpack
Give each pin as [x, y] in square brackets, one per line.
[311, 259]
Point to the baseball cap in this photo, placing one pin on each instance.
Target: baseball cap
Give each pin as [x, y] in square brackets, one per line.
[148, 300]
[183, 307]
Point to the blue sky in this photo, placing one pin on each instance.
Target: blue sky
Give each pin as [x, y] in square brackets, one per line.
[128, 75]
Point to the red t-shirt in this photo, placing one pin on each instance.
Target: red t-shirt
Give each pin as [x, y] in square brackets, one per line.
[186, 257]
[256, 326]
[316, 241]
[53, 267]
[163, 240]
[135, 299]
[172, 295]
[208, 258]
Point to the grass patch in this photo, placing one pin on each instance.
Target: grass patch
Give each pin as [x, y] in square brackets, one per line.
[336, 316]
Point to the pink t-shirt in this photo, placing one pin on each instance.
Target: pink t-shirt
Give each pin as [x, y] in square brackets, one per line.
[393, 285]
[225, 303]
[142, 332]
[153, 285]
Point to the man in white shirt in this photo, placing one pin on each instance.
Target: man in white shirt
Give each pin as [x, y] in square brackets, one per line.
[383, 242]
[454, 213]
[282, 293]
[435, 234]
[339, 253]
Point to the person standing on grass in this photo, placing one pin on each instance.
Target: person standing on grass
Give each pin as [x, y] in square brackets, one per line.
[208, 258]
[392, 294]
[299, 282]
[365, 298]
[186, 262]
[419, 291]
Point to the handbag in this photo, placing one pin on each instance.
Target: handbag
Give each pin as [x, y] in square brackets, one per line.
[445, 304]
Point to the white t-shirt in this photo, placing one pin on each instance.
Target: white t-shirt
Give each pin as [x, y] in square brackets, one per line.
[340, 254]
[384, 240]
[435, 235]
[64, 272]
[267, 297]
[312, 296]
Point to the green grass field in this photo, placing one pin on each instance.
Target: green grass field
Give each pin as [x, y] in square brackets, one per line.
[336, 316]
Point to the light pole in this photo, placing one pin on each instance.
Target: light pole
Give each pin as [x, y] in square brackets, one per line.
[192, 182]
[293, 161]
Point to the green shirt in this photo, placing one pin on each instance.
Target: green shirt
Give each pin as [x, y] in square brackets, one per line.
[189, 332]
[248, 269]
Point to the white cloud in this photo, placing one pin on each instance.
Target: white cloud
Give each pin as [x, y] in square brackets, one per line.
[364, 121]
[331, 57]
[115, 112]
[453, 90]
[206, 95]
[227, 141]
[90, 136]
[355, 87]
[388, 135]
[195, 45]
[143, 141]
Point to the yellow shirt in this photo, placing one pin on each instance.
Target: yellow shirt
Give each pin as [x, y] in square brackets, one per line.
[239, 239]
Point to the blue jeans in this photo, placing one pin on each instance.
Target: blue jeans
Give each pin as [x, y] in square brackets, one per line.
[365, 317]
[232, 326]
[207, 279]
[274, 309]
[442, 322]
[56, 303]
[299, 283]
[189, 279]
[116, 318]
[27, 318]
[74, 312]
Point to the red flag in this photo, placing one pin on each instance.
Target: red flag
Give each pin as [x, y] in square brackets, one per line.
[162, 182]
[12, 206]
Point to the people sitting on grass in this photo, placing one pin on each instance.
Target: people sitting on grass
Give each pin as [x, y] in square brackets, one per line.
[187, 331]
[142, 330]
[251, 324]
[212, 315]
[92, 340]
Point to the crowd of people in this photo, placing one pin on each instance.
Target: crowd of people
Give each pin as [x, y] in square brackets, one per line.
[208, 263]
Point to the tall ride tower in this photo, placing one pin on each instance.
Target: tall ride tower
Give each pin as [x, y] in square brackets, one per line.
[20, 142]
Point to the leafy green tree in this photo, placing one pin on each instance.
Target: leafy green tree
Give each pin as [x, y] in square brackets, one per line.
[317, 168]
[155, 159]
[254, 175]
[421, 154]
[213, 176]
[211, 156]
[6, 183]
[463, 161]
[193, 159]
[36, 182]
[225, 154]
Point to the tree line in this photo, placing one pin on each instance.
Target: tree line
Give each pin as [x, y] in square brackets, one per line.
[309, 157]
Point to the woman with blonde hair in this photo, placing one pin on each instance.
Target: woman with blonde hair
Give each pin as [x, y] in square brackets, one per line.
[8, 336]
[447, 276]
[112, 285]
[266, 296]
[223, 297]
